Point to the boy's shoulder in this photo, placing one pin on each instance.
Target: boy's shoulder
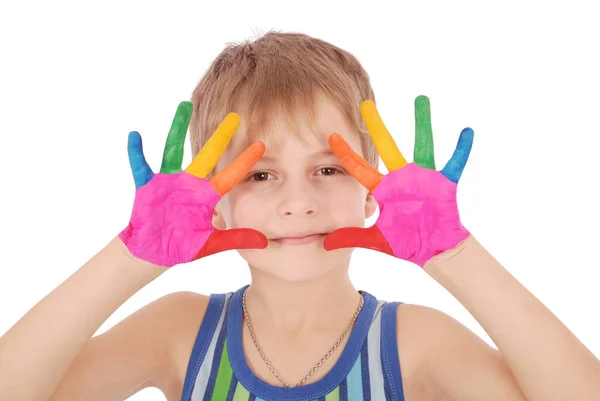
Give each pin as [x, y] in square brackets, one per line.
[425, 337]
[445, 358]
[417, 328]
[185, 311]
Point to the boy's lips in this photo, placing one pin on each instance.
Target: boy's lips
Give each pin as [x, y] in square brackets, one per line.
[299, 238]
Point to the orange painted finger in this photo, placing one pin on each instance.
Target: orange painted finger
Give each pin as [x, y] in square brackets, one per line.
[366, 174]
[231, 175]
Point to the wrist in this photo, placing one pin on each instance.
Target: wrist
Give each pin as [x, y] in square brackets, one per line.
[129, 262]
[460, 257]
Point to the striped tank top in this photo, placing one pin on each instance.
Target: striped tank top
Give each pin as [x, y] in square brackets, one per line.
[367, 369]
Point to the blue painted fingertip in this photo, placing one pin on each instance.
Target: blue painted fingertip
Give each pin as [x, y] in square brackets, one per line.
[455, 166]
[142, 173]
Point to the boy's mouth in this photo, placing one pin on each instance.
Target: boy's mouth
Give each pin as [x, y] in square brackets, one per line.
[299, 238]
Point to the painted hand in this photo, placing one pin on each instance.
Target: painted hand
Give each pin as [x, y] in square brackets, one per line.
[418, 213]
[171, 221]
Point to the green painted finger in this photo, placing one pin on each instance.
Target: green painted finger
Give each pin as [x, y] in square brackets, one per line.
[173, 153]
[424, 153]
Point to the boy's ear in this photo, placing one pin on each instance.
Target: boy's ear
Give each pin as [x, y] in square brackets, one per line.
[217, 219]
[370, 206]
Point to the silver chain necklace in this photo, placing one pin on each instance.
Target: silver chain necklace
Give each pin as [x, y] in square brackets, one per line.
[318, 364]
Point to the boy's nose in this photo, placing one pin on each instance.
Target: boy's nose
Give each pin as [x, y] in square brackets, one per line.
[297, 207]
[298, 211]
[298, 202]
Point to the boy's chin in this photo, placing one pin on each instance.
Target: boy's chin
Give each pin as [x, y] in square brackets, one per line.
[298, 266]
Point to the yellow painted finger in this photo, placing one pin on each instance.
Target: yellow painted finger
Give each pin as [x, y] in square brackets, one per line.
[206, 160]
[384, 143]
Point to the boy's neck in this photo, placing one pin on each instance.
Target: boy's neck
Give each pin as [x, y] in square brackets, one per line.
[301, 307]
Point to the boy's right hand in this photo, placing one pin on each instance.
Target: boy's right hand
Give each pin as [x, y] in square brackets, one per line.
[171, 221]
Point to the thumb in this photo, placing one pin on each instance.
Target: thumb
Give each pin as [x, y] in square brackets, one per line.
[358, 237]
[236, 238]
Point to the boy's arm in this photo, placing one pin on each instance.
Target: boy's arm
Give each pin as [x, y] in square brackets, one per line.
[36, 353]
[547, 360]
[150, 348]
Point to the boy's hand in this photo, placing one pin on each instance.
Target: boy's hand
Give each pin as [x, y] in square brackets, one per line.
[171, 221]
[418, 213]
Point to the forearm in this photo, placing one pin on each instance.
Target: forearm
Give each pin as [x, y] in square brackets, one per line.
[37, 351]
[547, 360]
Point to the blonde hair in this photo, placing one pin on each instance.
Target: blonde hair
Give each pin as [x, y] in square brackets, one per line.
[281, 72]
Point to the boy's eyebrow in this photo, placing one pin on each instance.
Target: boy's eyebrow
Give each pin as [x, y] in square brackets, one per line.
[323, 153]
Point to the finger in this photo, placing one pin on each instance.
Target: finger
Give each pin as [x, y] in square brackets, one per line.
[455, 166]
[142, 173]
[358, 237]
[424, 153]
[173, 153]
[231, 175]
[366, 174]
[386, 147]
[236, 238]
[206, 160]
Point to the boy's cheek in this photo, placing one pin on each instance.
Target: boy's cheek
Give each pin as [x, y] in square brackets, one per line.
[348, 207]
[249, 213]
[349, 196]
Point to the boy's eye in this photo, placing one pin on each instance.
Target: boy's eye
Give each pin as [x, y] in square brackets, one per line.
[328, 171]
[260, 176]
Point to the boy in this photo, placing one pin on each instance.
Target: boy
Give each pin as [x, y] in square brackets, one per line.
[300, 331]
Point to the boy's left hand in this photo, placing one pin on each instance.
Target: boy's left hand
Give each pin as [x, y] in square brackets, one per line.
[418, 213]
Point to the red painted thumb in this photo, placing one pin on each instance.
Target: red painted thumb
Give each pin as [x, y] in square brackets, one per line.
[358, 237]
[235, 238]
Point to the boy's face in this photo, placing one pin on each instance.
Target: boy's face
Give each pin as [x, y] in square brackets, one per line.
[296, 194]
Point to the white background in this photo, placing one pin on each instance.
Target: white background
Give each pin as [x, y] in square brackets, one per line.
[77, 77]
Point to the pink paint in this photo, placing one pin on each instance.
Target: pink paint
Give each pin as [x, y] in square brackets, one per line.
[171, 219]
[418, 213]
